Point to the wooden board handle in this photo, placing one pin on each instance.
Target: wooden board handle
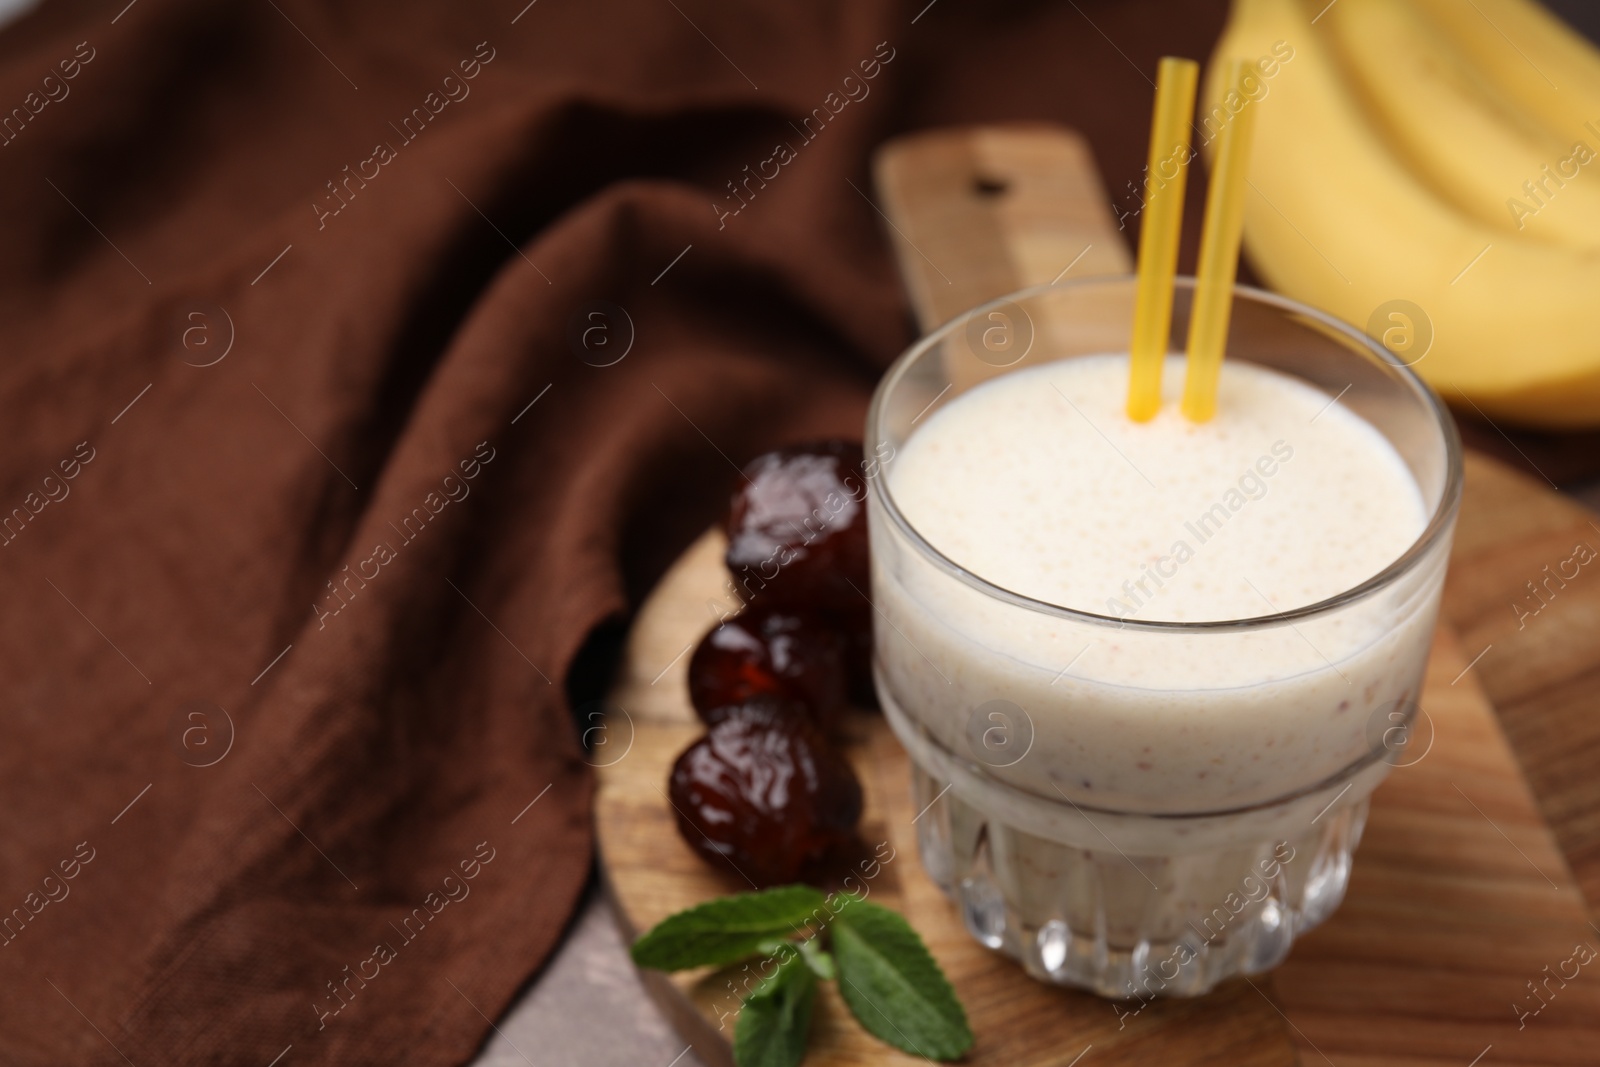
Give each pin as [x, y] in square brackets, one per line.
[978, 212]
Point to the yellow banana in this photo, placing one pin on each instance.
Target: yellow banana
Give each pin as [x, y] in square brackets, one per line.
[1469, 144]
[1333, 218]
[1531, 56]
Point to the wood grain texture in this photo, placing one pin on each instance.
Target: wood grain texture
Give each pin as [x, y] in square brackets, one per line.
[1539, 647]
[1462, 898]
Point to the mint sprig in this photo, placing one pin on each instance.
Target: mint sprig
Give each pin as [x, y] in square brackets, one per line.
[887, 977]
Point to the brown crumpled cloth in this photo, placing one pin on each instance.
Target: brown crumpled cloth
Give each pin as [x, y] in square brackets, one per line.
[359, 360]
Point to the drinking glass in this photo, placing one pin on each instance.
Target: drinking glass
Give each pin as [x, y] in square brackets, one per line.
[1000, 700]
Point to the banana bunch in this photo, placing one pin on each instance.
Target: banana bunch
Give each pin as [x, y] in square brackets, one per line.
[1429, 171]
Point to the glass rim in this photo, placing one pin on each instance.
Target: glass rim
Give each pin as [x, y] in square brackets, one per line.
[1438, 526]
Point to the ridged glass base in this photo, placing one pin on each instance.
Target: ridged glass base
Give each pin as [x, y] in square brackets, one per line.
[1133, 926]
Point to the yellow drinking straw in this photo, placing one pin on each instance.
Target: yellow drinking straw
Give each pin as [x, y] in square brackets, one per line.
[1219, 247]
[1158, 238]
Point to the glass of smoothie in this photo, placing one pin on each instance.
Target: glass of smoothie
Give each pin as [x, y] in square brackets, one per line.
[1149, 674]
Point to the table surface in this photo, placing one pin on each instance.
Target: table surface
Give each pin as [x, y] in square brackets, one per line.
[587, 1006]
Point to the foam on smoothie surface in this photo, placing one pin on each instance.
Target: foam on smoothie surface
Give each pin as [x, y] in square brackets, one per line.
[1039, 483]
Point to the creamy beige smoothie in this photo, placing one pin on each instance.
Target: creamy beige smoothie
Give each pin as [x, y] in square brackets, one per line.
[1082, 765]
[1037, 482]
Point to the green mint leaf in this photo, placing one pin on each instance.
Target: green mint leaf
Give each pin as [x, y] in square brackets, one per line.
[893, 985]
[727, 929]
[776, 1019]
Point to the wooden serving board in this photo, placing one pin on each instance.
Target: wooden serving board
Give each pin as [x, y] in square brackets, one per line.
[1464, 892]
